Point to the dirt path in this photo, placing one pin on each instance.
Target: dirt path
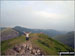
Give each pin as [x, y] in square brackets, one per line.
[24, 49]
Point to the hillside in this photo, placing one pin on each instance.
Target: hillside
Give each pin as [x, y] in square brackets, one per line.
[49, 32]
[67, 39]
[6, 44]
[8, 33]
[1, 28]
[47, 45]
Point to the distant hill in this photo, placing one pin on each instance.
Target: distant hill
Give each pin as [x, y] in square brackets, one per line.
[8, 33]
[66, 39]
[46, 44]
[49, 32]
[1, 28]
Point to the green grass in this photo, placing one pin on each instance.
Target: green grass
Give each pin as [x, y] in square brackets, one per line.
[56, 42]
[49, 45]
[49, 51]
[11, 42]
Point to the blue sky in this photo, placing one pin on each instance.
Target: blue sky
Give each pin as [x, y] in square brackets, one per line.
[58, 15]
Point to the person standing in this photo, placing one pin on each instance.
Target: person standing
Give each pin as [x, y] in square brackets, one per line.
[27, 35]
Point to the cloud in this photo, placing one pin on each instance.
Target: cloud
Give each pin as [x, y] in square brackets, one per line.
[48, 15]
[38, 14]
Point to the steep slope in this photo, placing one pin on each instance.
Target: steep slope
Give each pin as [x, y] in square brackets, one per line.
[49, 45]
[8, 33]
[67, 39]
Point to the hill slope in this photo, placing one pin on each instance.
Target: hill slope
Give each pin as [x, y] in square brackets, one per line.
[8, 33]
[46, 44]
[6, 44]
[49, 32]
[67, 39]
[49, 45]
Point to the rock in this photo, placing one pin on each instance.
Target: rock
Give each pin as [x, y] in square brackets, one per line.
[10, 52]
[33, 51]
[25, 49]
[22, 51]
[17, 48]
[24, 45]
[38, 51]
[30, 48]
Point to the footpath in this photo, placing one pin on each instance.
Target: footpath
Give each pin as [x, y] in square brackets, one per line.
[25, 49]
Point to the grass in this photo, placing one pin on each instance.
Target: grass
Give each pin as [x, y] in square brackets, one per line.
[63, 46]
[11, 42]
[49, 51]
[49, 45]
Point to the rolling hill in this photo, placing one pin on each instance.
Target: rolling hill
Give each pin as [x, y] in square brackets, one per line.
[67, 39]
[13, 36]
[45, 43]
[49, 32]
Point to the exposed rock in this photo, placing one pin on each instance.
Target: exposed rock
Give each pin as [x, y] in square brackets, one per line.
[38, 51]
[24, 45]
[25, 49]
[10, 52]
[17, 48]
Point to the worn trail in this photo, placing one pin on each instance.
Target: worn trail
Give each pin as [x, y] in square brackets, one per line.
[25, 49]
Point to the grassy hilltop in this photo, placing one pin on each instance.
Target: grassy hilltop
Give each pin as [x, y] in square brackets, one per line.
[48, 45]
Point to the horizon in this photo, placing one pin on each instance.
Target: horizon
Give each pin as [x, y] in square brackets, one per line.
[33, 28]
[56, 15]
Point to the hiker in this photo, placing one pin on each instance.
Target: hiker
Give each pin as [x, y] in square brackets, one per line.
[27, 35]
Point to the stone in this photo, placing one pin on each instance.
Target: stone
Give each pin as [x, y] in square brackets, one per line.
[38, 51]
[33, 51]
[24, 45]
[10, 52]
[22, 51]
[17, 48]
[30, 48]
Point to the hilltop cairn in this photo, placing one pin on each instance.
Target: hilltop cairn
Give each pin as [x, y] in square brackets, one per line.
[25, 49]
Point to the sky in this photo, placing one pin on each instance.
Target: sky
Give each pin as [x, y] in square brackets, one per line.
[57, 15]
